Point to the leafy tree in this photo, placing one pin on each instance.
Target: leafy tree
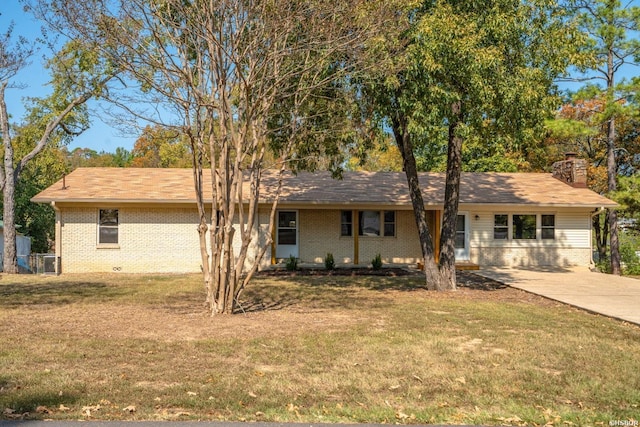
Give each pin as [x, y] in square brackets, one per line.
[76, 76]
[628, 195]
[161, 148]
[383, 156]
[87, 157]
[608, 23]
[581, 126]
[480, 71]
[238, 79]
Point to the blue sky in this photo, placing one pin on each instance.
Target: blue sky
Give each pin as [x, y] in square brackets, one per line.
[101, 136]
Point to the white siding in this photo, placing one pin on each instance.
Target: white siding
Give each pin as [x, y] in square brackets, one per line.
[571, 246]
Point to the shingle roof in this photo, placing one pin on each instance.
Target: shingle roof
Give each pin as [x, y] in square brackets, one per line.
[145, 185]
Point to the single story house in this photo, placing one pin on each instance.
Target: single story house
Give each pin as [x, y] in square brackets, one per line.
[144, 220]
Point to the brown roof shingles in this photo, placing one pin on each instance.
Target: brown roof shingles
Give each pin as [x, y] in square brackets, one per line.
[142, 185]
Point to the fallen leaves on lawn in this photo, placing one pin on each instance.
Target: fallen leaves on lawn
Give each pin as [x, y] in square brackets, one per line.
[86, 410]
[512, 421]
[13, 415]
[130, 409]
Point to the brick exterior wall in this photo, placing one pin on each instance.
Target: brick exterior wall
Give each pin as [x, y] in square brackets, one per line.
[149, 240]
[320, 233]
[165, 240]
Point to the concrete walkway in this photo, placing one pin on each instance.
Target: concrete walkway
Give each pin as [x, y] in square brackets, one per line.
[613, 296]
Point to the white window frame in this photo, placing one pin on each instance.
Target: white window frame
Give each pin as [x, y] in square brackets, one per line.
[350, 223]
[536, 227]
[543, 227]
[381, 223]
[100, 226]
[539, 226]
[493, 227]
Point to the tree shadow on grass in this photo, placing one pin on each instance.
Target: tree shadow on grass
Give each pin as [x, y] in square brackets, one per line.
[15, 295]
[343, 290]
[20, 403]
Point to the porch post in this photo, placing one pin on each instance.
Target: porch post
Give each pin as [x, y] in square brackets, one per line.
[437, 225]
[273, 242]
[356, 242]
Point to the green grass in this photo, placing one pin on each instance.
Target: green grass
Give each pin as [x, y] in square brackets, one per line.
[309, 349]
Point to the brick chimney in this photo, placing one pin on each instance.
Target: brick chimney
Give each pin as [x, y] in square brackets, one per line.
[571, 170]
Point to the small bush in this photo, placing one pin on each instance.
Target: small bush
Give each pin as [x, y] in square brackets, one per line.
[629, 258]
[376, 263]
[329, 262]
[292, 263]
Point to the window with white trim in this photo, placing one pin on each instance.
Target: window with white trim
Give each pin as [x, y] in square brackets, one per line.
[524, 227]
[501, 227]
[108, 226]
[389, 223]
[370, 223]
[346, 223]
[548, 227]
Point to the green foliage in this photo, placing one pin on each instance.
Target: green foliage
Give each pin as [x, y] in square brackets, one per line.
[329, 262]
[160, 147]
[499, 59]
[292, 263]
[628, 194]
[376, 263]
[628, 248]
[37, 220]
[86, 157]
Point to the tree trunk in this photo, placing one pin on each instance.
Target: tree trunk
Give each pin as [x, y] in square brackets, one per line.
[612, 170]
[614, 243]
[433, 277]
[12, 168]
[9, 259]
[8, 185]
[601, 236]
[451, 199]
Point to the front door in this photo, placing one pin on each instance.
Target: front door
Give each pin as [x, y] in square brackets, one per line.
[462, 237]
[287, 234]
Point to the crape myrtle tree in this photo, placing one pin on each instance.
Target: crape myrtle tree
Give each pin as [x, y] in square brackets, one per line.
[246, 81]
[608, 24]
[477, 72]
[75, 78]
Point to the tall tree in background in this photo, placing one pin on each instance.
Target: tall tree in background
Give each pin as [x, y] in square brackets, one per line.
[483, 72]
[239, 78]
[76, 78]
[608, 23]
[86, 158]
[161, 148]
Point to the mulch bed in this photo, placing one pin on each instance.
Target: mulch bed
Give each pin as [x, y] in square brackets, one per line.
[465, 279]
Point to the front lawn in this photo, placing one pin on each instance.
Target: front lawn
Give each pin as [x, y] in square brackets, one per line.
[308, 349]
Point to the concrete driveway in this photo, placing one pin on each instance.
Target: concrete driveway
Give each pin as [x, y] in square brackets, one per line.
[613, 296]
